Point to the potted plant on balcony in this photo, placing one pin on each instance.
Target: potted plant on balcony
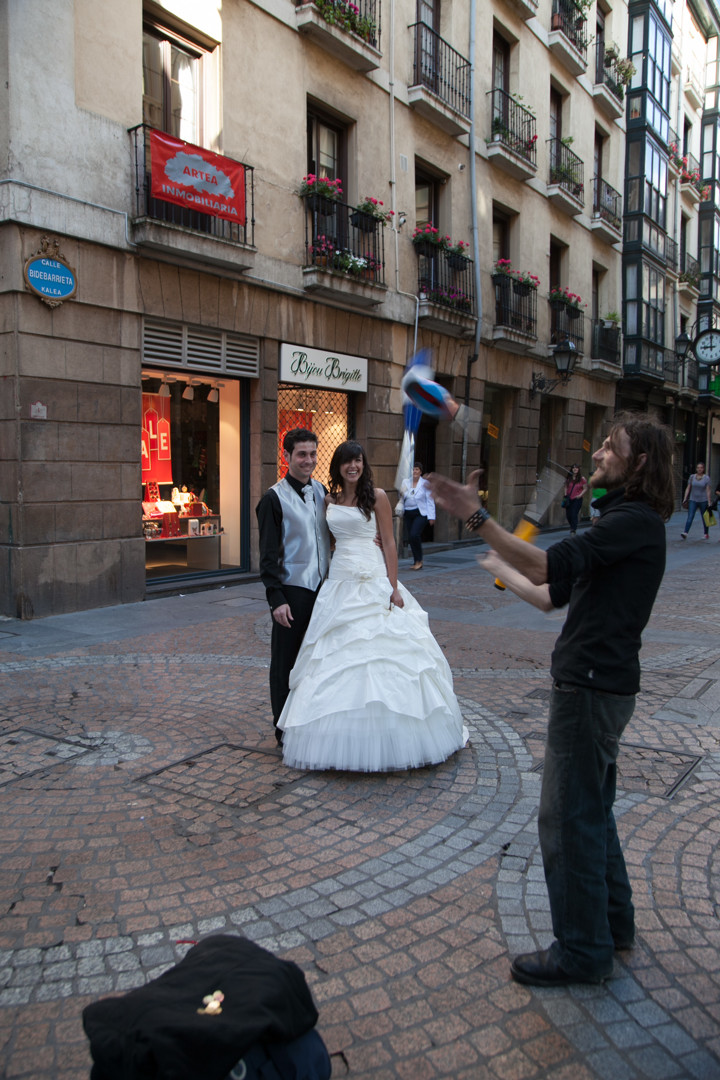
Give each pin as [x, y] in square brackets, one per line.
[322, 251]
[625, 70]
[369, 213]
[320, 192]
[524, 282]
[612, 52]
[611, 320]
[563, 298]
[347, 16]
[428, 241]
[456, 255]
[502, 273]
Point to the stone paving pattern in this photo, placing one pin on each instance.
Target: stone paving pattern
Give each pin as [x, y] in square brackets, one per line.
[145, 805]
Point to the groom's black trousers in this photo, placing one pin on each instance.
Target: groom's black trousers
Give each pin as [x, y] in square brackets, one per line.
[285, 644]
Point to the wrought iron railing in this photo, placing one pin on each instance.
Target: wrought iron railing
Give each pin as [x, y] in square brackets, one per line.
[173, 214]
[361, 18]
[689, 270]
[440, 69]
[690, 171]
[566, 168]
[687, 373]
[567, 324]
[606, 70]
[344, 240]
[513, 125]
[643, 358]
[515, 306]
[607, 202]
[446, 280]
[605, 342]
[691, 374]
[569, 17]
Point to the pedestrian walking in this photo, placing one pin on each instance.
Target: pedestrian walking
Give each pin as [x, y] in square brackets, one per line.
[418, 511]
[294, 557]
[697, 497]
[609, 576]
[575, 487]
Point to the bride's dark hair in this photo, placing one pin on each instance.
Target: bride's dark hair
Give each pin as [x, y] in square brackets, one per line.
[365, 490]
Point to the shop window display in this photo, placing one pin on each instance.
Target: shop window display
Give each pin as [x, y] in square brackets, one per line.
[181, 477]
[328, 413]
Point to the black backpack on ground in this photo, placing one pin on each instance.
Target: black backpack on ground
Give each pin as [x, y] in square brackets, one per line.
[228, 1006]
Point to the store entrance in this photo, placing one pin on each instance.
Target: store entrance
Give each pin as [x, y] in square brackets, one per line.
[191, 475]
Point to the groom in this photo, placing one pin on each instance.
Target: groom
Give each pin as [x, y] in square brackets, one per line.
[294, 557]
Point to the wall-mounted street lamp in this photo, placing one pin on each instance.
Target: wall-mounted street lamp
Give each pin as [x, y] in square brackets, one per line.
[682, 344]
[565, 356]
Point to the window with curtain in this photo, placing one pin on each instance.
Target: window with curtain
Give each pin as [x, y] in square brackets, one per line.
[172, 81]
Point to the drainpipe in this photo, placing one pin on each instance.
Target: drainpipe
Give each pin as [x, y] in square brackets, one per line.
[393, 179]
[475, 241]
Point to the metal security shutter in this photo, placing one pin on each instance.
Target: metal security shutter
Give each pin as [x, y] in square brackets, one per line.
[200, 349]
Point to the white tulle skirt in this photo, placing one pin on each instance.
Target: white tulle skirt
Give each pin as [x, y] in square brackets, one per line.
[371, 690]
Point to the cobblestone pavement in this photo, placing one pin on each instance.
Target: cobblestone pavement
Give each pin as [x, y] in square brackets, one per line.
[144, 805]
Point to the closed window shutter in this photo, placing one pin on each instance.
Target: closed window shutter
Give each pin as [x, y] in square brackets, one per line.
[201, 349]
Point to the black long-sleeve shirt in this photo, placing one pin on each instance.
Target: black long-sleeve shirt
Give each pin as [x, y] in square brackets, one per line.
[610, 575]
[269, 515]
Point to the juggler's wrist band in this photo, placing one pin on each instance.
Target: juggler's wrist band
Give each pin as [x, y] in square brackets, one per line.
[477, 520]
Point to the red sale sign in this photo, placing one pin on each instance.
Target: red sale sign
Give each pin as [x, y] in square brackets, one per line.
[156, 462]
[196, 178]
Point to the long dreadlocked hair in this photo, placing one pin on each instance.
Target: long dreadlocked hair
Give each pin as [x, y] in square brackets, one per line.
[654, 482]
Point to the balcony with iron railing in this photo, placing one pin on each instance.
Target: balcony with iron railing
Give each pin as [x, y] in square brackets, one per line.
[644, 360]
[686, 373]
[568, 35]
[344, 253]
[446, 291]
[566, 186]
[350, 32]
[607, 211]
[690, 183]
[169, 226]
[567, 323]
[689, 276]
[608, 89]
[513, 136]
[440, 88]
[605, 342]
[515, 327]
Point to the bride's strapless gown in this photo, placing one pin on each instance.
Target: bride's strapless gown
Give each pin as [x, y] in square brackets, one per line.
[371, 689]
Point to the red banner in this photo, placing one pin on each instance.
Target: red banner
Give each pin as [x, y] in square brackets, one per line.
[196, 178]
[156, 462]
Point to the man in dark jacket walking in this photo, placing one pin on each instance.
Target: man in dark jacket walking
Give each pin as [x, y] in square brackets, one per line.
[610, 577]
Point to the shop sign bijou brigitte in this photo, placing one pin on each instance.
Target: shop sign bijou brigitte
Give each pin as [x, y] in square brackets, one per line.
[330, 371]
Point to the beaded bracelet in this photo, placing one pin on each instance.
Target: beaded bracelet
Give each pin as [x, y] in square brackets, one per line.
[477, 520]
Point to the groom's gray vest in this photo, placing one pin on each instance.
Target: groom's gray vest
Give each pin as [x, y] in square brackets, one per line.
[305, 554]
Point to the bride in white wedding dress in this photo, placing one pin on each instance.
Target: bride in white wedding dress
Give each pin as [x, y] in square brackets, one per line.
[371, 690]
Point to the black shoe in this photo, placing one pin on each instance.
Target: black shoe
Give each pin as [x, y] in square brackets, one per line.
[542, 969]
[622, 945]
[278, 736]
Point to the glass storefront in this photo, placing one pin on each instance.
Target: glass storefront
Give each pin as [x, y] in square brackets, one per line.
[191, 474]
[327, 413]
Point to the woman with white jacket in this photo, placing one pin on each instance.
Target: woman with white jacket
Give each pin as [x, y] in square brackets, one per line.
[418, 511]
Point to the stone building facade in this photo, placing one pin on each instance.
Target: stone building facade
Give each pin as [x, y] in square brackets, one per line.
[191, 341]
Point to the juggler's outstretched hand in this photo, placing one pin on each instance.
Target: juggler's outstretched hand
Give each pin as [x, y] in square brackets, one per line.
[461, 500]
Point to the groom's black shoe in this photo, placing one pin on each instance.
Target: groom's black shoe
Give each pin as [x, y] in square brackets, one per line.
[278, 736]
[542, 969]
